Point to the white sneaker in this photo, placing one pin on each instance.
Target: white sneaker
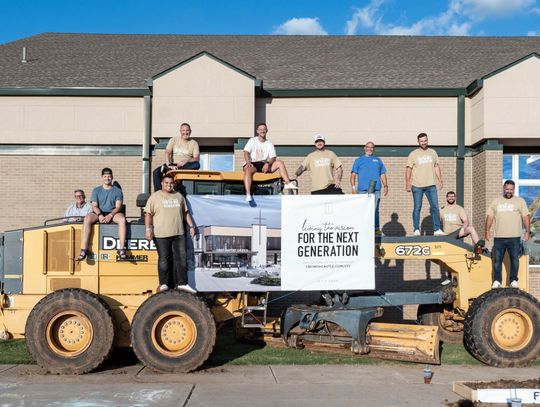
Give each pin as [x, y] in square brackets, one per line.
[514, 284]
[187, 288]
[416, 232]
[439, 232]
[290, 185]
[446, 282]
[163, 287]
[496, 284]
[249, 198]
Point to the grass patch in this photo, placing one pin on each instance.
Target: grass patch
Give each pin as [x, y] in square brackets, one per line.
[14, 352]
[230, 352]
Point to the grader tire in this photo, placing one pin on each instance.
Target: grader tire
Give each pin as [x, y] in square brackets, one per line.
[70, 331]
[432, 314]
[173, 332]
[502, 328]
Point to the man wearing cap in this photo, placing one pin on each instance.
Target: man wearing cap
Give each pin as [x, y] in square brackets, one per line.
[107, 202]
[366, 169]
[325, 168]
[165, 214]
[454, 220]
[507, 213]
[422, 176]
[79, 209]
[260, 156]
[181, 153]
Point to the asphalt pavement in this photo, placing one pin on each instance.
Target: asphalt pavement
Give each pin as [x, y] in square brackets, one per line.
[275, 385]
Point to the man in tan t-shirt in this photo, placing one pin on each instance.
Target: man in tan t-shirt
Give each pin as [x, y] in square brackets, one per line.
[325, 167]
[165, 213]
[454, 220]
[422, 175]
[507, 213]
[181, 153]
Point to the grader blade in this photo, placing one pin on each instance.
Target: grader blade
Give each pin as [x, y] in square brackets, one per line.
[412, 343]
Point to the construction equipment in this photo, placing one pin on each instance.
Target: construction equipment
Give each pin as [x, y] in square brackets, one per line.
[73, 313]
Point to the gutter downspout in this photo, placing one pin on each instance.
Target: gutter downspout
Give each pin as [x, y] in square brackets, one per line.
[146, 145]
[460, 153]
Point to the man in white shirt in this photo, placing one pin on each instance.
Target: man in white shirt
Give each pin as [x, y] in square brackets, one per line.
[79, 209]
[260, 156]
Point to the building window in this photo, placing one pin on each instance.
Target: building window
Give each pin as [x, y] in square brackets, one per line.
[217, 161]
[525, 171]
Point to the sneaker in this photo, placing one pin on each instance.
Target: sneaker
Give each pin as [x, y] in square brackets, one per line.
[290, 185]
[514, 284]
[446, 282]
[496, 284]
[416, 232]
[439, 232]
[249, 198]
[163, 287]
[187, 288]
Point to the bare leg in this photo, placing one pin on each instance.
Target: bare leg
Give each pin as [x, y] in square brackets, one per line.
[89, 220]
[248, 177]
[470, 230]
[279, 165]
[120, 220]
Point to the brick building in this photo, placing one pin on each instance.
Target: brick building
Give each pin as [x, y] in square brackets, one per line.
[79, 102]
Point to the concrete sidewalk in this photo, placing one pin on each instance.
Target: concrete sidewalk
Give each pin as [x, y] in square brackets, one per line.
[277, 385]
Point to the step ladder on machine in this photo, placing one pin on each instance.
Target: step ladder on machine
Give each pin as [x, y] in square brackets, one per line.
[254, 316]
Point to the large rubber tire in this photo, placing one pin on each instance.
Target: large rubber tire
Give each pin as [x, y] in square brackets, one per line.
[432, 314]
[70, 331]
[502, 328]
[173, 332]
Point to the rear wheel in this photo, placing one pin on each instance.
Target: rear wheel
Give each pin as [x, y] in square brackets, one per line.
[70, 331]
[502, 328]
[433, 314]
[173, 332]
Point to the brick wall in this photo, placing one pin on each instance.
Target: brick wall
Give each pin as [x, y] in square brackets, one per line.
[41, 187]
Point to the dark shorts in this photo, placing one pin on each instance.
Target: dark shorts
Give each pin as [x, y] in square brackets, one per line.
[105, 213]
[455, 234]
[258, 165]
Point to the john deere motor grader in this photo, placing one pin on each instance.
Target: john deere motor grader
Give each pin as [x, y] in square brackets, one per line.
[73, 313]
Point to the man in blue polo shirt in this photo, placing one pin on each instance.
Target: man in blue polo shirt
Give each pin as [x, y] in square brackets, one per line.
[370, 168]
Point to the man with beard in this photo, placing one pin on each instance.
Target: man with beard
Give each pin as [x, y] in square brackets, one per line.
[454, 220]
[507, 213]
[165, 214]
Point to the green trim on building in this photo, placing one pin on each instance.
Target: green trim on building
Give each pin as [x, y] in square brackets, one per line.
[200, 54]
[375, 92]
[510, 65]
[487, 145]
[69, 150]
[115, 92]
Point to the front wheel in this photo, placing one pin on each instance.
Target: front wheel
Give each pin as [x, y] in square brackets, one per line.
[502, 328]
[173, 332]
[70, 331]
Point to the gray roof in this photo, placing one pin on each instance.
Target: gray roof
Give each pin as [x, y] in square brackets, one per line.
[282, 62]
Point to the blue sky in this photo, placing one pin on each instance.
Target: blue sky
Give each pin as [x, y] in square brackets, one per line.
[381, 17]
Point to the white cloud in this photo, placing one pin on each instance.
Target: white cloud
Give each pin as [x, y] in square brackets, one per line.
[457, 19]
[482, 9]
[301, 26]
[532, 33]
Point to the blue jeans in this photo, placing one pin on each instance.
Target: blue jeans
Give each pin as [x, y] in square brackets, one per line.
[500, 246]
[377, 195]
[431, 193]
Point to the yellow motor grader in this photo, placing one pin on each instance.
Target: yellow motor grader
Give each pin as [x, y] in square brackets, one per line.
[72, 313]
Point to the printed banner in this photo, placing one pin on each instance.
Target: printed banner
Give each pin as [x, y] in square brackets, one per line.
[328, 242]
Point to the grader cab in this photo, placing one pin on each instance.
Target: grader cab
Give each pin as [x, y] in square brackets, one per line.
[72, 314]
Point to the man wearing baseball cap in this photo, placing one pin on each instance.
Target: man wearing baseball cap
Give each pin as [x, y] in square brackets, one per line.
[325, 168]
[107, 200]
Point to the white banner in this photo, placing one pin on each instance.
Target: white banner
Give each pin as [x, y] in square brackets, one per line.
[327, 242]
